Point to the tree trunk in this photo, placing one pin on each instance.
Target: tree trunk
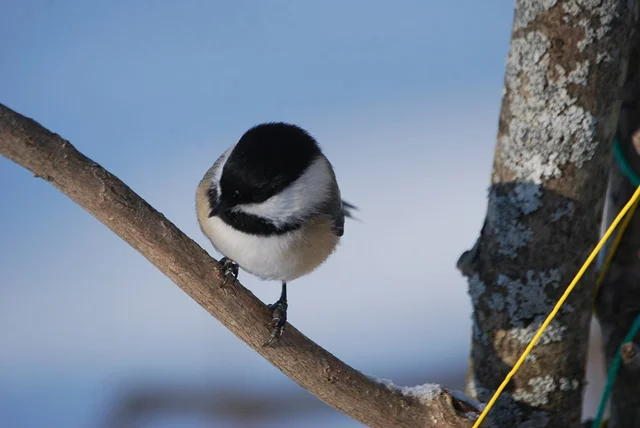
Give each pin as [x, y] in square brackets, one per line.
[566, 65]
[618, 302]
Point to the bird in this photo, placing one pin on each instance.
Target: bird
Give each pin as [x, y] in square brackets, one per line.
[271, 205]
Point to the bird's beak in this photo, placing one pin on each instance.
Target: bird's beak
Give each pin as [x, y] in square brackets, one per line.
[218, 207]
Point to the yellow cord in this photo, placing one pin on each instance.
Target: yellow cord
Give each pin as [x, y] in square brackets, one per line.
[614, 247]
[557, 307]
[607, 262]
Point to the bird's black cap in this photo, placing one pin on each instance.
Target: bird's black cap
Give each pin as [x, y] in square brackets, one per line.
[266, 159]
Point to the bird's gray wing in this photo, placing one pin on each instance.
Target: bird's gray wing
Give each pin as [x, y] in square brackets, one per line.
[339, 208]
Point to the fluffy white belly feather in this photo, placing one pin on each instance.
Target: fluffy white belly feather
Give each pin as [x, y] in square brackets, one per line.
[279, 257]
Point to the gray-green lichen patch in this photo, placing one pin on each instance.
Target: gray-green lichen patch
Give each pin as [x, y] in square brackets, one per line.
[478, 333]
[504, 213]
[547, 129]
[476, 288]
[527, 196]
[538, 393]
[567, 384]
[600, 12]
[507, 413]
[527, 300]
[571, 7]
[589, 35]
[603, 56]
[496, 302]
[579, 74]
[528, 10]
[563, 211]
[553, 333]
[528, 304]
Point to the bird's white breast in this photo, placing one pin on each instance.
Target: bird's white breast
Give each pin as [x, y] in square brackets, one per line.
[279, 257]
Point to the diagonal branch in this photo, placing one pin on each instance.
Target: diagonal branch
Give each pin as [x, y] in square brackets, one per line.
[112, 202]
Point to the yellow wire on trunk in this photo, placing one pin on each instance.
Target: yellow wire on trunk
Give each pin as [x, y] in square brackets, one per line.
[558, 305]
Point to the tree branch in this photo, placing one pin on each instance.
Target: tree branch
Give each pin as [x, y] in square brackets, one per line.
[112, 202]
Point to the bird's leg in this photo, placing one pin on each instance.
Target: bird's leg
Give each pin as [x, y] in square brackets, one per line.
[279, 315]
[229, 270]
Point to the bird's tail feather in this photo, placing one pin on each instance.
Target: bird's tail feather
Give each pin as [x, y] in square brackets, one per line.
[348, 210]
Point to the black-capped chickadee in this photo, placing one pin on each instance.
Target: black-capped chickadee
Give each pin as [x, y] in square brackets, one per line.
[271, 205]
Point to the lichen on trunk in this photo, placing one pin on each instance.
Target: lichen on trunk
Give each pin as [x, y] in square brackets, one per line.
[564, 70]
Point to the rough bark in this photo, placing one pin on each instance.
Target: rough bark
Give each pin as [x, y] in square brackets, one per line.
[618, 302]
[565, 68]
[112, 202]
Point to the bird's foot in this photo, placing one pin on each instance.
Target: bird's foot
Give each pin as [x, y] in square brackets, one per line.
[279, 316]
[278, 321]
[229, 271]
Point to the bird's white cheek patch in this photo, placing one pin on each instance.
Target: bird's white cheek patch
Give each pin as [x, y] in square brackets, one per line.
[299, 200]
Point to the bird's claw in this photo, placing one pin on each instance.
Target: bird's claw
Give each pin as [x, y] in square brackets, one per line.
[278, 321]
[229, 271]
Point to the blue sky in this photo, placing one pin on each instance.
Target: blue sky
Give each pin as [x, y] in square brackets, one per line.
[404, 100]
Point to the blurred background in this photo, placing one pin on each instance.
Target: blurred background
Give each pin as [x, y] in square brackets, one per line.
[404, 100]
